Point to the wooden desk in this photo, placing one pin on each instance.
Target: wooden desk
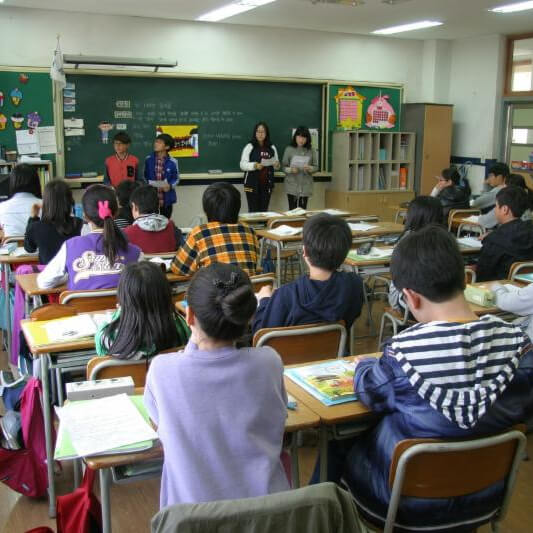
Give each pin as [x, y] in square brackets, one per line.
[480, 310]
[258, 218]
[6, 261]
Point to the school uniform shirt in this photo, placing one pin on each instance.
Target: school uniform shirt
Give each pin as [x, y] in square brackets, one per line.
[306, 301]
[169, 172]
[486, 201]
[220, 415]
[118, 170]
[14, 213]
[217, 243]
[301, 183]
[507, 244]
[154, 234]
[44, 237]
[452, 197]
[446, 380]
[82, 264]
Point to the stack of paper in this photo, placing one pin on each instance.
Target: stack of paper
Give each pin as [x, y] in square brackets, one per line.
[75, 327]
[471, 242]
[297, 211]
[375, 253]
[21, 251]
[116, 424]
[360, 226]
[284, 230]
[260, 214]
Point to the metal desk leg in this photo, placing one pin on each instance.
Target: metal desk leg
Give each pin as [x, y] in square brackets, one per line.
[6, 270]
[323, 450]
[76, 470]
[261, 252]
[105, 500]
[278, 262]
[295, 466]
[47, 415]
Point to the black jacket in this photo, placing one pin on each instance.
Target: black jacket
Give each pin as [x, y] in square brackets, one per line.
[504, 246]
[453, 197]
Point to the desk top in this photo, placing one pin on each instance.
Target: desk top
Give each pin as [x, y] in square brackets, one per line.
[18, 259]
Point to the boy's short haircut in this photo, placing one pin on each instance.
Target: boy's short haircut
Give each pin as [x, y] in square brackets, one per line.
[145, 199]
[168, 140]
[221, 203]
[124, 190]
[122, 137]
[327, 240]
[514, 198]
[499, 169]
[429, 262]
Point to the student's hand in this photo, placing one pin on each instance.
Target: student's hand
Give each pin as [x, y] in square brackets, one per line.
[307, 168]
[294, 170]
[264, 292]
[166, 187]
[35, 210]
[258, 166]
[482, 236]
[276, 165]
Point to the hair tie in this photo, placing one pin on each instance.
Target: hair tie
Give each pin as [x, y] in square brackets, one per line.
[226, 286]
[103, 210]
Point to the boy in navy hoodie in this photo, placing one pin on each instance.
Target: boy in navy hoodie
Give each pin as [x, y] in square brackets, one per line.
[324, 295]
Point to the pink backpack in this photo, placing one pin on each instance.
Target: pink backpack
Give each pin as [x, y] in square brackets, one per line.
[25, 470]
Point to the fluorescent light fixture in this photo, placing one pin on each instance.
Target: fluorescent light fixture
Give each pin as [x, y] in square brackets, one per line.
[408, 27]
[513, 8]
[232, 9]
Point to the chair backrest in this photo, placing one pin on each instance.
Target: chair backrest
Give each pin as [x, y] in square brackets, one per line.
[306, 343]
[52, 311]
[520, 267]
[295, 222]
[88, 301]
[14, 238]
[455, 214]
[429, 468]
[110, 367]
[260, 280]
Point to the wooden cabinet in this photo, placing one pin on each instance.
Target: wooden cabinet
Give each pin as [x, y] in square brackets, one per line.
[433, 126]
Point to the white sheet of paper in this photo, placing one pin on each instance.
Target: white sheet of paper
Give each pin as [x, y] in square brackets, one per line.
[360, 226]
[47, 139]
[336, 212]
[71, 328]
[74, 132]
[104, 424]
[158, 184]
[161, 261]
[300, 161]
[380, 252]
[269, 162]
[73, 123]
[471, 242]
[285, 230]
[265, 214]
[19, 250]
[297, 211]
[27, 143]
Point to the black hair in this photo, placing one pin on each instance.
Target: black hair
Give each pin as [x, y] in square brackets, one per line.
[451, 173]
[423, 210]
[221, 203]
[168, 140]
[124, 190]
[429, 262]
[222, 299]
[302, 131]
[268, 142]
[327, 240]
[499, 169]
[147, 316]
[122, 137]
[146, 199]
[57, 206]
[24, 178]
[514, 198]
[517, 180]
[113, 238]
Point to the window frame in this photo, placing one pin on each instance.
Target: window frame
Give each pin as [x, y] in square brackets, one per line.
[509, 65]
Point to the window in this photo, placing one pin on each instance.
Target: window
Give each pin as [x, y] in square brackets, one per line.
[520, 65]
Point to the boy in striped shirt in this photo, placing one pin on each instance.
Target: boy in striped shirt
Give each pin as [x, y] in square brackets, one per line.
[452, 375]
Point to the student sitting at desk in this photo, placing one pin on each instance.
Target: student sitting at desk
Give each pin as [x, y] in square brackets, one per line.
[220, 411]
[325, 295]
[56, 225]
[95, 260]
[449, 193]
[222, 239]
[423, 384]
[124, 217]
[24, 191]
[513, 239]
[145, 322]
[495, 181]
[151, 232]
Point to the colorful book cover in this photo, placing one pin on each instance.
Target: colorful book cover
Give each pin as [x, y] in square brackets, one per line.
[331, 382]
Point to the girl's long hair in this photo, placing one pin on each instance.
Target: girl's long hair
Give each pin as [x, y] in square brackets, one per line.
[57, 206]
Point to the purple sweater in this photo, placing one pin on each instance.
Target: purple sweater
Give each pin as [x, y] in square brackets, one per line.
[220, 416]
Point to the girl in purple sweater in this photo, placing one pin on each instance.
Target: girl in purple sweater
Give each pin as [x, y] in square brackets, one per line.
[220, 411]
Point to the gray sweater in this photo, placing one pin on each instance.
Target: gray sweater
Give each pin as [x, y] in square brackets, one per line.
[301, 183]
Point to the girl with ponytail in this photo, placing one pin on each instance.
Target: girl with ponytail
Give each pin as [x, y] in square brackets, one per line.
[220, 411]
[95, 260]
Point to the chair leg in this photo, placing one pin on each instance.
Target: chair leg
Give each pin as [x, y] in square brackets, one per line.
[381, 329]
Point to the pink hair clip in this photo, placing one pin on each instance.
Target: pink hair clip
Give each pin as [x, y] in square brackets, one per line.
[103, 210]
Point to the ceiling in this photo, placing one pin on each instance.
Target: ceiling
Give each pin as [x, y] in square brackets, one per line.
[462, 18]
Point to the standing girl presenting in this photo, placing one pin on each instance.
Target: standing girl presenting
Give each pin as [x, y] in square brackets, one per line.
[259, 178]
[95, 260]
[299, 164]
[220, 411]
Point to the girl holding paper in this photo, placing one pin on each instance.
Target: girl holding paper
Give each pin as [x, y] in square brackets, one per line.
[259, 159]
[299, 164]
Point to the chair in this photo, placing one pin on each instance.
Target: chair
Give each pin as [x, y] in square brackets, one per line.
[520, 267]
[14, 238]
[470, 276]
[110, 367]
[52, 311]
[456, 214]
[306, 343]
[397, 318]
[260, 280]
[430, 468]
[88, 301]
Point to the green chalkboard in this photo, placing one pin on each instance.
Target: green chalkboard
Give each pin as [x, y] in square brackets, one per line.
[224, 110]
[36, 90]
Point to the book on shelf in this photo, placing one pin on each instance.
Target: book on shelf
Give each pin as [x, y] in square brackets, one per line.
[330, 382]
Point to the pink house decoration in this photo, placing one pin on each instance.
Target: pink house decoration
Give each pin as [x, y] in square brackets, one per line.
[349, 108]
[380, 114]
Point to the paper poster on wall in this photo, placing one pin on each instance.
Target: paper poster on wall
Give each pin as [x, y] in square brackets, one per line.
[380, 113]
[73, 122]
[47, 139]
[17, 120]
[185, 137]
[3, 121]
[349, 108]
[27, 142]
[33, 119]
[105, 127]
